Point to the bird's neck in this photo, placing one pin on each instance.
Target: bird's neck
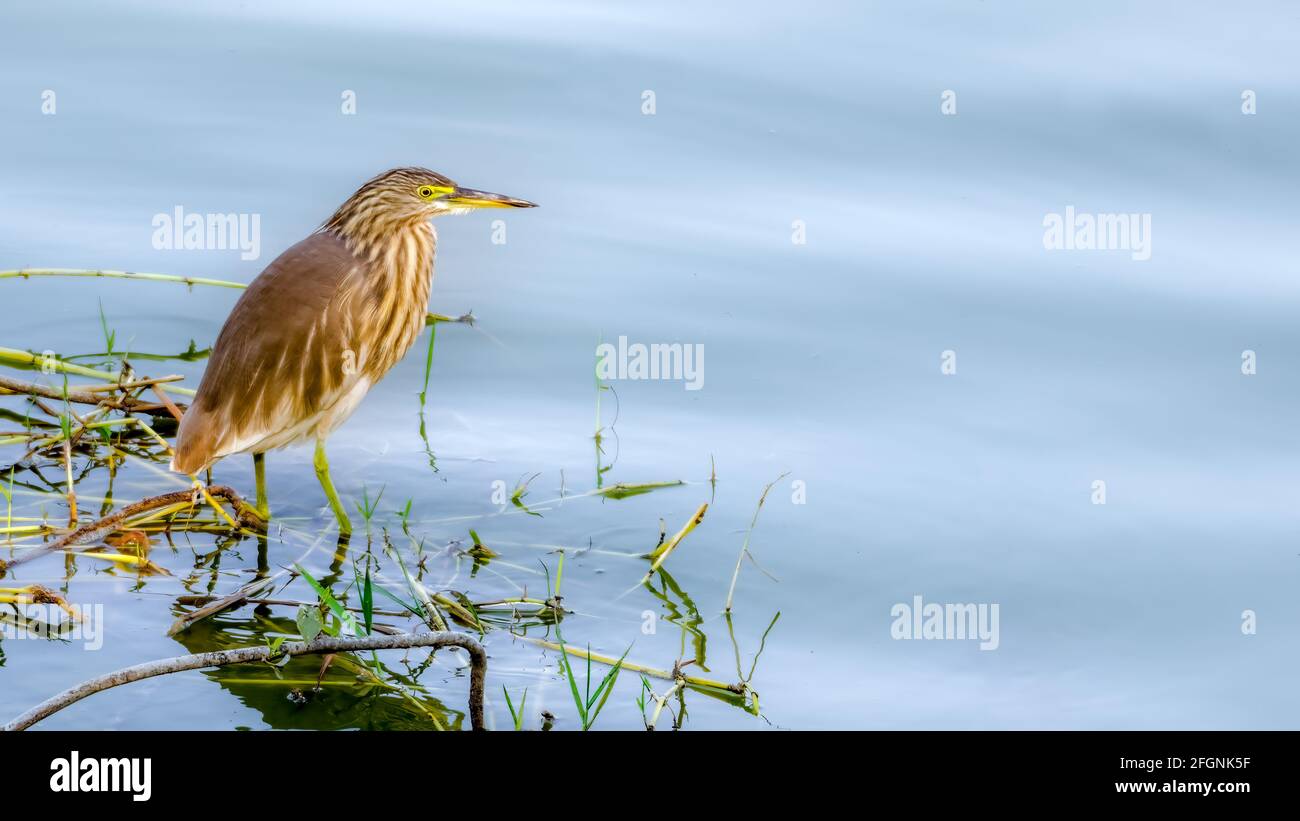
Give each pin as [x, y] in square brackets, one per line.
[386, 242]
[402, 265]
[398, 271]
[405, 255]
[398, 258]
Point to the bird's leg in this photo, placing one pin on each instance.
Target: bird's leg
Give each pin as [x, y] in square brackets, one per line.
[259, 477]
[323, 474]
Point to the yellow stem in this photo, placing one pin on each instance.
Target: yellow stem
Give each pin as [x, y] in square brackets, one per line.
[660, 554]
[627, 665]
[53, 363]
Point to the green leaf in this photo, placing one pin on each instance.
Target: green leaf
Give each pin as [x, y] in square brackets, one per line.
[516, 717]
[310, 622]
[276, 663]
[109, 336]
[368, 602]
[65, 418]
[345, 619]
[509, 703]
[414, 607]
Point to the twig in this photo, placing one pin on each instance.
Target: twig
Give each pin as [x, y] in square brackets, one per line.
[26, 359]
[28, 273]
[72, 485]
[133, 384]
[197, 600]
[167, 401]
[87, 397]
[245, 655]
[101, 528]
[217, 604]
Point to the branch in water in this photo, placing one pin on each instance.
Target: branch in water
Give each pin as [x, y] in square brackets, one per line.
[246, 655]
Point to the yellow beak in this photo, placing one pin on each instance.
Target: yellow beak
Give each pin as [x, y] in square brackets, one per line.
[469, 198]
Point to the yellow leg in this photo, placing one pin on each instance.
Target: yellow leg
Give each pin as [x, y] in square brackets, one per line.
[259, 476]
[323, 474]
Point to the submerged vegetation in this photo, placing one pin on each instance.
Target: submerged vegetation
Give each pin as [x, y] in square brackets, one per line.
[71, 426]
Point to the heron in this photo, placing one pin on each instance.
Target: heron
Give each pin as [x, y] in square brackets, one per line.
[321, 325]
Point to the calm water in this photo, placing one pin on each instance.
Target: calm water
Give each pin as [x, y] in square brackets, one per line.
[823, 359]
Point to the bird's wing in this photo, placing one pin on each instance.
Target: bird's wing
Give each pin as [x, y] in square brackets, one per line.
[284, 356]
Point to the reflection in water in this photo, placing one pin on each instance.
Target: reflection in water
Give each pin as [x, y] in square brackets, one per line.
[342, 693]
[689, 622]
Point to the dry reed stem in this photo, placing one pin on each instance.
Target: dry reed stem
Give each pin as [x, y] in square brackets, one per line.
[81, 397]
[660, 554]
[99, 529]
[744, 547]
[668, 675]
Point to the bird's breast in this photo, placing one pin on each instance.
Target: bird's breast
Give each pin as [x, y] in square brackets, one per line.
[397, 297]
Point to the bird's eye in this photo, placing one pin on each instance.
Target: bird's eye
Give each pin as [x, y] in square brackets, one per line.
[426, 192]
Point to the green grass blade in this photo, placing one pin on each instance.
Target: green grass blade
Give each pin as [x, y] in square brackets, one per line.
[573, 682]
[340, 612]
[607, 684]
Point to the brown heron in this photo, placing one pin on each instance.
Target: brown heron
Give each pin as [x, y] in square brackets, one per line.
[322, 324]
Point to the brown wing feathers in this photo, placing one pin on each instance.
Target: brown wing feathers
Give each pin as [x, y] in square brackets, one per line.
[280, 356]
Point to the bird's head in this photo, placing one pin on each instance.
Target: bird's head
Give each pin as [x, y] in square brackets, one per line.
[406, 195]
